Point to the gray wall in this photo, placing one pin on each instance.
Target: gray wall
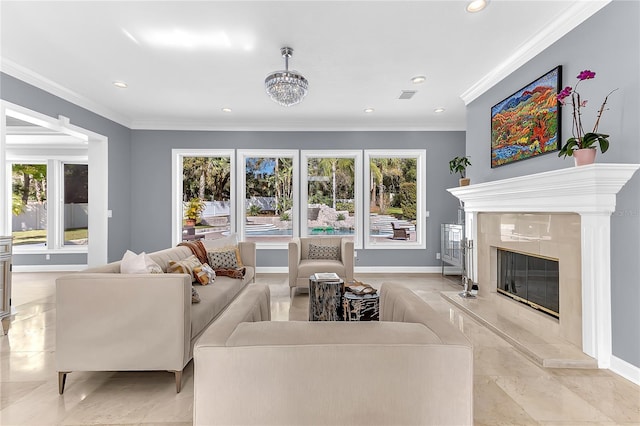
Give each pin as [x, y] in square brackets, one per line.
[609, 44]
[151, 181]
[23, 94]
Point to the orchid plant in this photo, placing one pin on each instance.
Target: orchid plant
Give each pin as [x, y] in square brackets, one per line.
[582, 139]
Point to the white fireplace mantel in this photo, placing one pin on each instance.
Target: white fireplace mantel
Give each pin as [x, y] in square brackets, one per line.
[587, 190]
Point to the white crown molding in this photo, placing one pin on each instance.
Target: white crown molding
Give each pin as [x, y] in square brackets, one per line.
[302, 126]
[571, 18]
[18, 71]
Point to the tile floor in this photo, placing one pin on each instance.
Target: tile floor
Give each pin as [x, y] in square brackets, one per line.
[509, 388]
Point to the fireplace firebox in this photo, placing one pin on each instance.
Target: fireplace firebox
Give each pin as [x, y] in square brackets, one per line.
[533, 280]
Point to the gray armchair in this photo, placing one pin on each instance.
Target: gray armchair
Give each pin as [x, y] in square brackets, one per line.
[301, 266]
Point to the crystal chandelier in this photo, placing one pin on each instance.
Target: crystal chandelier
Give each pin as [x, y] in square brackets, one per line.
[286, 87]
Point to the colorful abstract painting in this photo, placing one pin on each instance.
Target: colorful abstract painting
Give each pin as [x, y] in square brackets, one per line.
[527, 123]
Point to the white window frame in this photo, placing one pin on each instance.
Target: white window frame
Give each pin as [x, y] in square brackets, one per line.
[421, 225]
[177, 157]
[358, 179]
[242, 155]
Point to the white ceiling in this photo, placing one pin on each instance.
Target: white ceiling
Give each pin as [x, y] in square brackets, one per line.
[185, 61]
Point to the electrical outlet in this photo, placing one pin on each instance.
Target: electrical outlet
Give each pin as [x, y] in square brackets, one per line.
[47, 257]
[437, 256]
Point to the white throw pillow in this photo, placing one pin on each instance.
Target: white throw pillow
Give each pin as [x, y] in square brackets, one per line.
[138, 264]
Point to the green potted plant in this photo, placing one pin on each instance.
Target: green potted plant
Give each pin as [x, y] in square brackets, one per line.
[582, 145]
[194, 208]
[459, 165]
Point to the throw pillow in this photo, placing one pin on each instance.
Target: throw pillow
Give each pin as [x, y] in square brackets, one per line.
[184, 266]
[218, 243]
[324, 252]
[225, 258]
[204, 274]
[138, 264]
[195, 297]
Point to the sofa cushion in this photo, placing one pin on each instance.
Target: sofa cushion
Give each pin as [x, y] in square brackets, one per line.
[213, 300]
[138, 264]
[309, 267]
[324, 252]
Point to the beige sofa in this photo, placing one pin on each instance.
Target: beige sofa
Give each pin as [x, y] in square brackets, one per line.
[108, 321]
[412, 367]
[301, 267]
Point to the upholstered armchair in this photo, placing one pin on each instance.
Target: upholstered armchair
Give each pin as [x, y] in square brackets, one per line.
[309, 255]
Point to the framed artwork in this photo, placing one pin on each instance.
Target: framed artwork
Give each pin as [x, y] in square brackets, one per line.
[527, 123]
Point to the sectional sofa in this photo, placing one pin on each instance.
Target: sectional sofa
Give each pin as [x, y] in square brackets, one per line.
[110, 321]
[412, 367]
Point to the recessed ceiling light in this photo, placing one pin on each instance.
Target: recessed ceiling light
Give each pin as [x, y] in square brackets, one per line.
[418, 79]
[120, 84]
[477, 5]
[439, 110]
[369, 110]
[225, 109]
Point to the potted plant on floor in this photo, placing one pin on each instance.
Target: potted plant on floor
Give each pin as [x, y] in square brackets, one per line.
[582, 146]
[194, 208]
[459, 165]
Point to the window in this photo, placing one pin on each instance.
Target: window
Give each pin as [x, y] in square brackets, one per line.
[332, 194]
[395, 191]
[37, 222]
[204, 194]
[268, 204]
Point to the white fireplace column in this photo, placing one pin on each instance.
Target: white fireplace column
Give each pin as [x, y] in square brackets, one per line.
[589, 191]
[595, 243]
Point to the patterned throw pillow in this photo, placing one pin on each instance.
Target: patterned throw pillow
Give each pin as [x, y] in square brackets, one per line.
[204, 274]
[324, 252]
[224, 259]
[184, 266]
[195, 297]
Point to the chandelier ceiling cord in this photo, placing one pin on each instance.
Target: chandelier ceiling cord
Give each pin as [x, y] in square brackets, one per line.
[286, 87]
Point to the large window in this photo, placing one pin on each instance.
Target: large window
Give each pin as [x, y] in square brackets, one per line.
[37, 221]
[268, 205]
[204, 193]
[332, 194]
[395, 186]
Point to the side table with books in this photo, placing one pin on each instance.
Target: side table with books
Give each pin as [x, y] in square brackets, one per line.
[325, 297]
[360, 302]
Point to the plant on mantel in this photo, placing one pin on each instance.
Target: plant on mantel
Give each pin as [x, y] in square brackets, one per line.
[459, 165]
[580, 139]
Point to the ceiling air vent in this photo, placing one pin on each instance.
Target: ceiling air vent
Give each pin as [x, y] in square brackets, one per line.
[407, 94]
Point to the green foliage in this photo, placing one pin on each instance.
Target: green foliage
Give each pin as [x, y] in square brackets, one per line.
[589, 140]
[350, 207]
[17, 206]
[254, 210]
[459, 165]
[409, 200]
[194, 208]
[285, 217]
[340, 217]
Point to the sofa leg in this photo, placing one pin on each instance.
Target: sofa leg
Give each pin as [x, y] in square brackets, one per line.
[292, 292]
[178, 381]
[62, 379]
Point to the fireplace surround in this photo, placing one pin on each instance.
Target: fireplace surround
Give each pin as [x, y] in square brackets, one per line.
[589, 192]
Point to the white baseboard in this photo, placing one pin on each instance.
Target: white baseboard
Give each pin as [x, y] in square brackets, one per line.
[626, 370]
[364, 269]
[47, 268]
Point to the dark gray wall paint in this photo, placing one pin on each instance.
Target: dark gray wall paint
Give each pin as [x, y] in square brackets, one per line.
[151, 181]
[609, 44]
[28, 96]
